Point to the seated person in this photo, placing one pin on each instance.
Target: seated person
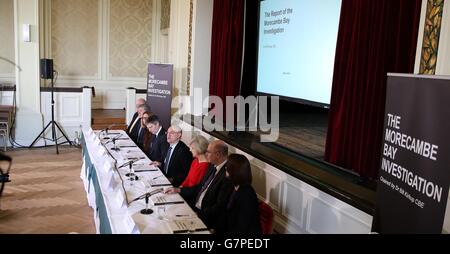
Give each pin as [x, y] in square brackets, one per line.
[157, 146]
[136, 127]
[199, 165]
[242, 213]
[178, 158]
[143, 134]
[211, 196]
[139, 102]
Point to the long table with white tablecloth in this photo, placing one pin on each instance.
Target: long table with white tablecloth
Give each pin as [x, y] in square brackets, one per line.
[117, 200]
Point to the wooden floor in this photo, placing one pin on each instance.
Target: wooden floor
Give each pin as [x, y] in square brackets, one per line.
[108, 113]
[304, 133]
[46, 195]
[104, 118]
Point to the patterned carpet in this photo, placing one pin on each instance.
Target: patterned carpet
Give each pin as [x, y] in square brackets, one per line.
[46, 195]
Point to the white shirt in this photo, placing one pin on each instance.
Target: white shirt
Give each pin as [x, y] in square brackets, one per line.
[200, 199]
[160, 128]
[171, 152]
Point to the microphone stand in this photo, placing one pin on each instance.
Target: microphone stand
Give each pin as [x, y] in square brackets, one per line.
[131, 174]
[53, 127]
[106, 134]
[4, 176]
[147, 211]
[117, 170]
[115, 148]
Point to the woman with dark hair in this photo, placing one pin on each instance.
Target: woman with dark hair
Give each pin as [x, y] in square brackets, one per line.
[242, 216]
[144, 136]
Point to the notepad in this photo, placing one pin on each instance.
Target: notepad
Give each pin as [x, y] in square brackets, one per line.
[160, 182]
[167, 200]
[187, 225]
[144, 167]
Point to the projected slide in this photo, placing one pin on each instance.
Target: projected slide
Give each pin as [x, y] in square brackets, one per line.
[297, 45]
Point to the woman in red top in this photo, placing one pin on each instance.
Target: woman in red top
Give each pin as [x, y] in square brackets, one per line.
[199, 166]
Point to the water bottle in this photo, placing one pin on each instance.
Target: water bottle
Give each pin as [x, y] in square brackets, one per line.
[76, 141]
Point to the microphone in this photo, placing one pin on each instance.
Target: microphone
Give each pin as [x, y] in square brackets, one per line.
[147, 211]
[132, 175]
[113, 140]
[107, 129]
[130, 162]
[115, 148]
[149, 194]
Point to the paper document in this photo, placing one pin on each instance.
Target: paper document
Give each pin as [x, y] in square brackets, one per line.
[187, 225]
[144, 167]
[167, 200]
[160, 181]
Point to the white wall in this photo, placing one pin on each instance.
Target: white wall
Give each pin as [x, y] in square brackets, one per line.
[201, 53]
[29, 117]
[72, 112]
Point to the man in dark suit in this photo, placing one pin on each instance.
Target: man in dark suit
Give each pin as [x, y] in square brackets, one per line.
[158, 146]
[136, 127]
[178, 158]
[209, 198]
[133, 122]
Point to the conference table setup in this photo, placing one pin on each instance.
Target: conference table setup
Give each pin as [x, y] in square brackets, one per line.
[126, 192]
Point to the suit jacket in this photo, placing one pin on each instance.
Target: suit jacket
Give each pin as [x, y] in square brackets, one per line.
[132, 121]
[141, 138]
[179, 164]
[242, 213]
[133, 133]
[158, 146]
[216, 197]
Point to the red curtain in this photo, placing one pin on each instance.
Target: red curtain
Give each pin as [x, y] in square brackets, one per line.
[226, 49]
[375, 37]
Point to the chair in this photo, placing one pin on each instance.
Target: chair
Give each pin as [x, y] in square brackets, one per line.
[265, 218]
[4, 129]
[5, 118]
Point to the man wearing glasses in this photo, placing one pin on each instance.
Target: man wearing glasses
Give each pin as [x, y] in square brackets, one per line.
[178, 158]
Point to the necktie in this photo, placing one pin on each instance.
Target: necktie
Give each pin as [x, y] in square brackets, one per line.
[167, 160]
[132, 126]
[141, 131]
[206, 184]
[153, 142]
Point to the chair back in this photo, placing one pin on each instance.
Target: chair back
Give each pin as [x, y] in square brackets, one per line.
[266, 218]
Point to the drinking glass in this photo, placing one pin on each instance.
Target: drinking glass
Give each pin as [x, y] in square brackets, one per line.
[161, 212]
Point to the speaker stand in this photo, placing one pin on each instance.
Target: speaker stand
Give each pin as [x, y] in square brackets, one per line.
[53, 125]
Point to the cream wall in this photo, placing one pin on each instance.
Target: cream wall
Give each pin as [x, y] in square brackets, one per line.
[108, 43]
[201, 54]
[103, 43]
[130, 38]
[74, 38]
[7, 58]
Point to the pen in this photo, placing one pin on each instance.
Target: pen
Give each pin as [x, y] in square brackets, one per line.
[154, 178]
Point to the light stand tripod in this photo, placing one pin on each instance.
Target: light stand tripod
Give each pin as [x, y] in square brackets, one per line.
[53, 126]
